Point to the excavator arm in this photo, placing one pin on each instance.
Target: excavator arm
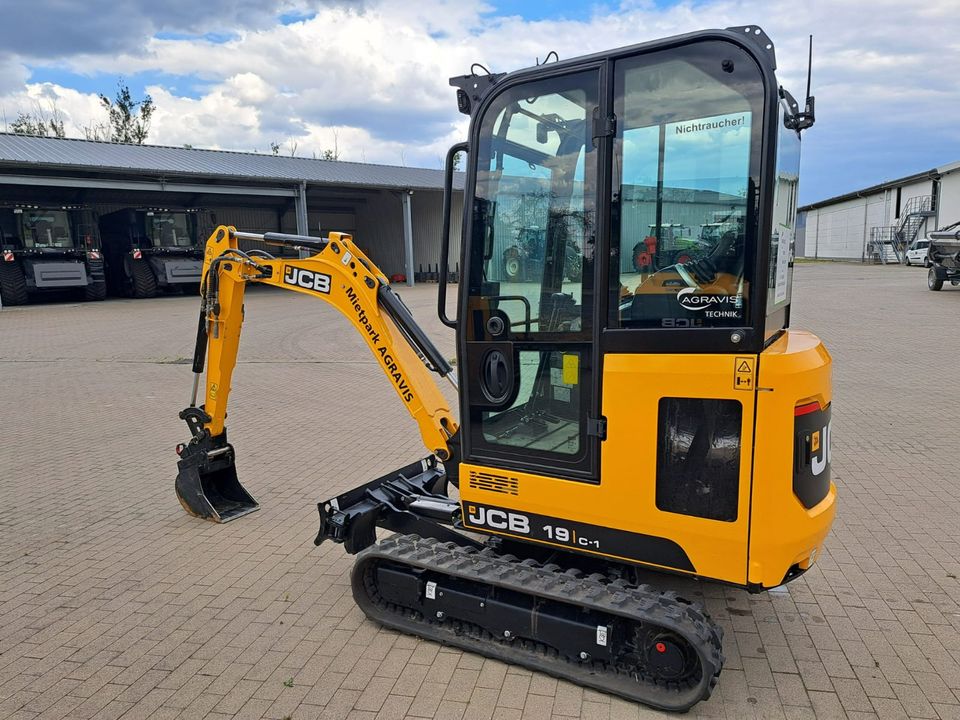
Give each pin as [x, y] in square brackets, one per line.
[338, 273]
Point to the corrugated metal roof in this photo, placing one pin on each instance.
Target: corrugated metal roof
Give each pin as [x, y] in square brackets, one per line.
[886, 184]
[22, 151]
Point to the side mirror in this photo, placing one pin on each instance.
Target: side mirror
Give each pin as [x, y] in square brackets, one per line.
[541, 133]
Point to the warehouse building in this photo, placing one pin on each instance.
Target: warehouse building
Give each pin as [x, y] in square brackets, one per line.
[876, 223]
[394, 213]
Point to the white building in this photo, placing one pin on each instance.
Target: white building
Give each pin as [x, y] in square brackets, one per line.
[881, 219]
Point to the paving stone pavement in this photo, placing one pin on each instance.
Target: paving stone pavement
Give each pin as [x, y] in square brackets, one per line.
[114, 603]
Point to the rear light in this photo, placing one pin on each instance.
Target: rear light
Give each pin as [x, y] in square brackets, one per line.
[8, 256]
[137, 254]
[806, 408]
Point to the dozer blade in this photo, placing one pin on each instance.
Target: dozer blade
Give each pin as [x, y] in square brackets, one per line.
[207, 484]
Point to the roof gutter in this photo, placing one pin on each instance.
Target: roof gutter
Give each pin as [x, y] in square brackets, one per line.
[164, 186]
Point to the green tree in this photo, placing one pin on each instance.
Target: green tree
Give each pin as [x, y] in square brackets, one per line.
[332, 154]
[128, 120]
[39, 124]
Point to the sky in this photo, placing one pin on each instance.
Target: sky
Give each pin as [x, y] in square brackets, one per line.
[370, 77]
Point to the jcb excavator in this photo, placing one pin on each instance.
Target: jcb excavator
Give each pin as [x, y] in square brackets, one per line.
[622, 422]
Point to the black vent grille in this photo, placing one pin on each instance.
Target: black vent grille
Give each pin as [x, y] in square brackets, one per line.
[494, 483]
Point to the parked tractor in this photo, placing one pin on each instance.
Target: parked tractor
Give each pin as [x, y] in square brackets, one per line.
[150, 250]
[47, 249]
[524, 260]
[675, 246]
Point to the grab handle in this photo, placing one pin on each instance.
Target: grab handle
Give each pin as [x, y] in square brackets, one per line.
[445, 232]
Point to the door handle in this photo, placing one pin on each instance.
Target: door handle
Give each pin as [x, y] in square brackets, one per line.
[495, 377]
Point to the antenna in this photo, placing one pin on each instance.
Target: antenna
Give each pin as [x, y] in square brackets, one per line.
[800, 121]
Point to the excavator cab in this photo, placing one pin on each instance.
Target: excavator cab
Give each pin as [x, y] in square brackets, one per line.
[650, 415]
[613, 418]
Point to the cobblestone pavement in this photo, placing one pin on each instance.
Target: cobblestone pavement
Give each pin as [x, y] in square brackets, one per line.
[115, 603]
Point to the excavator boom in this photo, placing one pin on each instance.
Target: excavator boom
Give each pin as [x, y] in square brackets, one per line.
[338, 273]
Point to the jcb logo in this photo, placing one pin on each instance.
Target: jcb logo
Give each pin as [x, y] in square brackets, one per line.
[821, 437]
[308, 279]
[498, 519]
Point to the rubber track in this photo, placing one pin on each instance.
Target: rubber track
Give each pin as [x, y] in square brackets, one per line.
[637, 604]
[97, 290]
[13, 286]
[144, 283]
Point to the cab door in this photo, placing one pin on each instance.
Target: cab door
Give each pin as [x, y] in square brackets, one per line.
[684, 326]
[527, 342]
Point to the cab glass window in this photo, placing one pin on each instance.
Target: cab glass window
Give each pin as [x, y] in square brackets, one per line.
[9, 236]
[534, 207]
[685, 174]
[86, 230]
[170, 229]
[780, 271]
[46, 228]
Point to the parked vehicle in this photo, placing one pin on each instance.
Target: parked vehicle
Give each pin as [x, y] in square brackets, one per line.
[676, 246]
[917, 253]
[944, 254]
[148, 250]
[524, 260]
[49, 248]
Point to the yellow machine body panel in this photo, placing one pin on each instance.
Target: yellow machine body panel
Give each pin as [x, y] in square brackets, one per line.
[633, 386]
[794, 373]
[764, 529]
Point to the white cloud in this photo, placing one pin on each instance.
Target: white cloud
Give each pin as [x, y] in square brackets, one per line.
[13, 76]
[77, 109]
[376, 73]
[55, 29]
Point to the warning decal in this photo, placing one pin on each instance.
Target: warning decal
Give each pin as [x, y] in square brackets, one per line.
[743, 375]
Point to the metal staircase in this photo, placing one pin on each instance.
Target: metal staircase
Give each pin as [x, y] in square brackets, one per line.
[889, 243]
[913, 217]
[880, 248]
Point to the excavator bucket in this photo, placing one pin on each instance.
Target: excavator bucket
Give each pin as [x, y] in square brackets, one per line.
[207, 484]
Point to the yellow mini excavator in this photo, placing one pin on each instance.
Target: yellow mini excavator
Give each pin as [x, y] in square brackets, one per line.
[614, 418]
